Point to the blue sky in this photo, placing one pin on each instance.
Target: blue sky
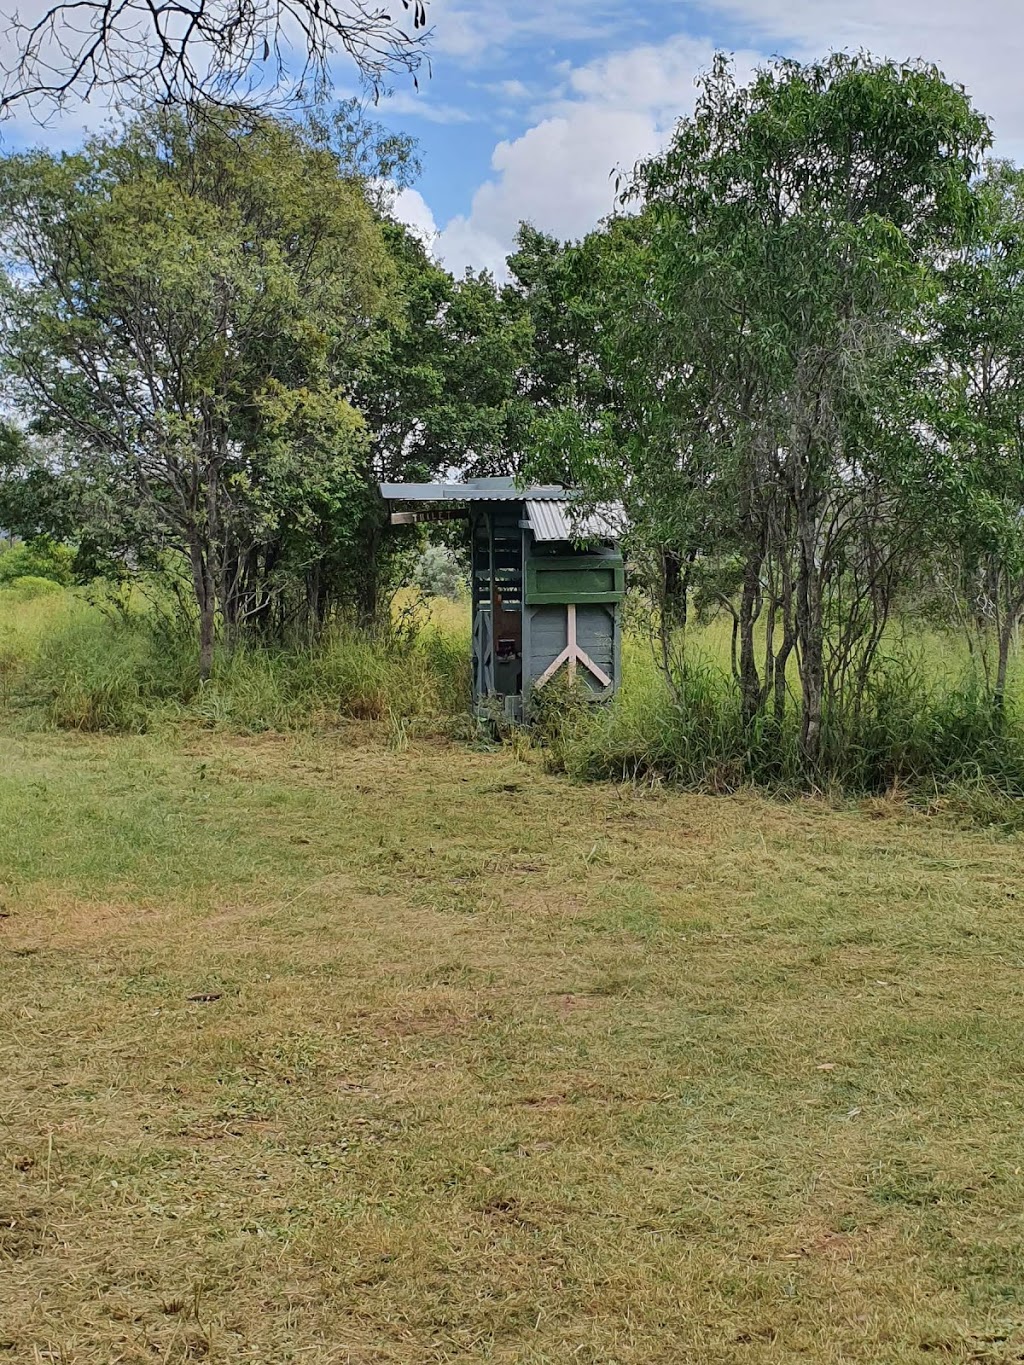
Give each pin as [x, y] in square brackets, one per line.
[531, 105]
[480, 95]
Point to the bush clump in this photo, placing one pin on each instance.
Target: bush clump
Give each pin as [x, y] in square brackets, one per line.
[127, 672]
[906, 734]
[27, 587]
[41, 558]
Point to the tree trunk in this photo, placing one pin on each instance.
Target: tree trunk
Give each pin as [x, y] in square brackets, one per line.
[315, 599]
[811, 637]
[750, 607]
[1008, 626]
[1002, 667]
[231, 597]
[207, 620]
[787, 645]
[206, 601]
[781, 663]
[368, 590]
[675, 583]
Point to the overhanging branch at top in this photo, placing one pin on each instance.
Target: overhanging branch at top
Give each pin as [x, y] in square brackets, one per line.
[205, 51]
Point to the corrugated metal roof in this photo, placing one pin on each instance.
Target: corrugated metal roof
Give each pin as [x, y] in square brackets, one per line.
[476, 490]
[551, 520]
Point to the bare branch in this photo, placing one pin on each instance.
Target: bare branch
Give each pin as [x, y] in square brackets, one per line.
[220, 51]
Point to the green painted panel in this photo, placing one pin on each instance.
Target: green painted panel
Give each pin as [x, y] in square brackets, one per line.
[574, 578]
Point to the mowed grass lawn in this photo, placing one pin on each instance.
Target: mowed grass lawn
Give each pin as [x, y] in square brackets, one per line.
[316, 1051]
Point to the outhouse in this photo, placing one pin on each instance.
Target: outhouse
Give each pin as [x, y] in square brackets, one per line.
[547, 584]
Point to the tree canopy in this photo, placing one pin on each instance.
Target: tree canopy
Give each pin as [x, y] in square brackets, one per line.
[228, 343]
[186, 305]
[753, 323]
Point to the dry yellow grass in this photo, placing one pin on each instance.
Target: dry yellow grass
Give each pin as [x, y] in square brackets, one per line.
[316, 1052]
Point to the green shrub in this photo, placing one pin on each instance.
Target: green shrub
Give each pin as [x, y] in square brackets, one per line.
[982, 802]
[38, 558]
[95, 673]
[439, 574]
[28, 587]
[919, 729]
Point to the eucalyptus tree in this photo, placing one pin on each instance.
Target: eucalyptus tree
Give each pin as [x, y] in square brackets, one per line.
[441, 389]
[33, 499]
[978, 413]
[764, 316]
[186, 304]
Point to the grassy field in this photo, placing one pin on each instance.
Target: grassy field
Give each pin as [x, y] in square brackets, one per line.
[336, 1049]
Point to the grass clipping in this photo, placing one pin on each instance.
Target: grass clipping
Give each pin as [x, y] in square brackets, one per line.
[317, 1052]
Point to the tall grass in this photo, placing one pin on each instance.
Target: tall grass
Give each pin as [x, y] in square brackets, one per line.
[27, 619]
[925, 725]
[84, 669]
[925, 730]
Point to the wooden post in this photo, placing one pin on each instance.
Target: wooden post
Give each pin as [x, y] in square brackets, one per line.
[527, 619]
[492, 680]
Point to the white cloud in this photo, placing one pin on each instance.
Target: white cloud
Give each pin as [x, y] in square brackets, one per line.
[464, 244]
[417, 104]
[410, 208]
[620, 107]
[478, 31]
[560, 174]
[511, 90]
